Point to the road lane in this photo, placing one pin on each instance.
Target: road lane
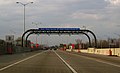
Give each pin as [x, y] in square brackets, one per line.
[102, 58]
[25, 59]
[73, 70]
[47, 62]
[85, 65]
[6, 60]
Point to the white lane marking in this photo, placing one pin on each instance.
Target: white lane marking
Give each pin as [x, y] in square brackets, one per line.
[66, 63]
[6, 67]
[98, 60]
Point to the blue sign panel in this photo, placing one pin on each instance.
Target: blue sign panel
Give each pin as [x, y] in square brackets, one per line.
[59, 29]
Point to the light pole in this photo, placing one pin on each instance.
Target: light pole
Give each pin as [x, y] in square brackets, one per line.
[100, 42]
[36, 28]
[24, 4]
[118, 39]
[109, 39]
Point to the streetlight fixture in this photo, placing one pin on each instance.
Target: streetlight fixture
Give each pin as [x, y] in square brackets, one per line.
[24, 4]
[84, 27]
[36, 24]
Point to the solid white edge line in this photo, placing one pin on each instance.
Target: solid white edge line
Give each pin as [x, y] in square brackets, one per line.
[66, 63]
[6, 67]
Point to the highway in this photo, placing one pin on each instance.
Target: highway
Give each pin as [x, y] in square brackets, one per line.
[57, 61]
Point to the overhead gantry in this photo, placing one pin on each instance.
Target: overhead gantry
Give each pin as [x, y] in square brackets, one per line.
[59, 31]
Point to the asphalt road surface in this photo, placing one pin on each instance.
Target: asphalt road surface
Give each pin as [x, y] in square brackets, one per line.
[91, 63]
[59, 62]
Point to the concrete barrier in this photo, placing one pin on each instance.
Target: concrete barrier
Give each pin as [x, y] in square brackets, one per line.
[102, 51]
[82, 50]
[68, 50]
[105, 51]
[91, 50]
[85, 51]
[116, 51]
[108, 51]
[75, 50]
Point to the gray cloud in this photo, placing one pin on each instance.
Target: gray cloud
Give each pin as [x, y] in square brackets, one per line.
[94, 14]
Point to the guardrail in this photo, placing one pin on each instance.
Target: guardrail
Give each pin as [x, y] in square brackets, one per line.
[16, 49]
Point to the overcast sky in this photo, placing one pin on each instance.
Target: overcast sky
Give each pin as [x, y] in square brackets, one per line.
[100, 16]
